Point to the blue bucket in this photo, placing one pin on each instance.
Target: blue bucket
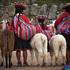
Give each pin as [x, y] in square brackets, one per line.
[66, 67]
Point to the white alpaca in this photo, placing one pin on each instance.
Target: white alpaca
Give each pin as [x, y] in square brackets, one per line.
[57, 45]
[39, 46]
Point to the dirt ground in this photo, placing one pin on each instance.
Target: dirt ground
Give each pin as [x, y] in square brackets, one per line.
[32, 68]
[14, 67]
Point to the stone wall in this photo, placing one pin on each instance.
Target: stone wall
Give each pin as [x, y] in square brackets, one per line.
[35, 9]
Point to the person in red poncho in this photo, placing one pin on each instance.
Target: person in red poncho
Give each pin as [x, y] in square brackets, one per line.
[19, 43]
[62, 20]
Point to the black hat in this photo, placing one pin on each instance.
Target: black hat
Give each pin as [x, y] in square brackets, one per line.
[67, 5]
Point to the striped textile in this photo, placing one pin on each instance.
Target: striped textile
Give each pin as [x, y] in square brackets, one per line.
[38, 28]
[64, 26]
[26, 31]
[48, 34]
[23, 30]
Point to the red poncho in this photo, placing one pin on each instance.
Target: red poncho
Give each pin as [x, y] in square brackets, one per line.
[60, 18]
[62, 23]
[24, 30]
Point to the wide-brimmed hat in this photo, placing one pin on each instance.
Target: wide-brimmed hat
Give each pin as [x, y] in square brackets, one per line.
[20, 5]
[67, 5]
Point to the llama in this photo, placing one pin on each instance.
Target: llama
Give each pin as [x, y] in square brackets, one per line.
[57, 44]
[6, 44]
[39, 46]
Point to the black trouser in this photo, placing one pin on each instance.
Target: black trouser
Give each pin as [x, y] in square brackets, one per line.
[67, 37]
